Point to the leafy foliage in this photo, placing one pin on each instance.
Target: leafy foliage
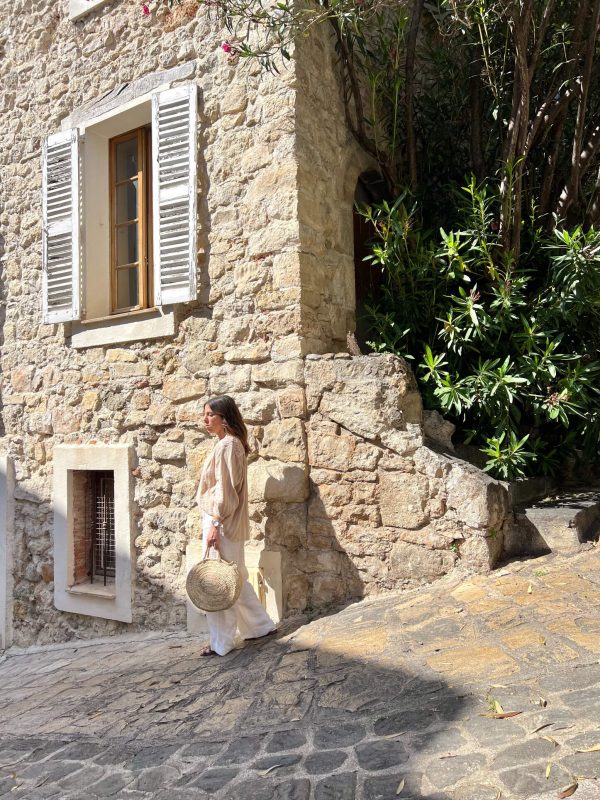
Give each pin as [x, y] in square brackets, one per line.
[509, 351]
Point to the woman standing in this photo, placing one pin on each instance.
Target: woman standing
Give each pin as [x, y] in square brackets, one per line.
[223, 497]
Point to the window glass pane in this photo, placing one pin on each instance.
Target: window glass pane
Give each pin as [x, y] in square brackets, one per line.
[127, 287]
[127, 244]
[127, 159]
[127, 201]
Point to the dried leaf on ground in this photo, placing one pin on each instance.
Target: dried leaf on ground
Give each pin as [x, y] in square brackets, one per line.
[568, 791]
[540, 728]
[275, 766]
[550, 739]
[593, 749]
[400, 786]
[548, 769]
[504, 715]
[498, 708]
[530, 589]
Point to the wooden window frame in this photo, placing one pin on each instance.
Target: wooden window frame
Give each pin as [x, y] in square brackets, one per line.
[144, 220]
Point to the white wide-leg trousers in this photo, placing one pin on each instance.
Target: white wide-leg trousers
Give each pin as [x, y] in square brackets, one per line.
[246, 614]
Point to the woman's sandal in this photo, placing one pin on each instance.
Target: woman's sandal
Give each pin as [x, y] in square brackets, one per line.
[207, 651]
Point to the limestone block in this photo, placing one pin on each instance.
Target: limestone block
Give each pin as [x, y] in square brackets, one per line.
[286, 525]
[438, 429]
[279, 374]
[291, 402]
[191, 413]
[412, 562]
[284, 440]
[403, 499]
[365, 456]
[159, 414]
[90, 400]
[21, 379]
[197, 359]
[479, 552]
[327, 589]
[229, 379]
[179, 390]
[166, 450]
[404, 443]
[120, 354]
[286, 347]
[297, 591]
[66, 420]
[258, 408]
[272, 480]
[251, 353]
[330, 451]
[478, 500]
[40, 423]
[128, 370]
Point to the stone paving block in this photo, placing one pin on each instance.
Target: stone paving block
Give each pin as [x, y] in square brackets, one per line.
[449, 740]
[111, 784]
[531, 750]
[341, 735]
[381, 754]
[276, 760]
[444, 773]
[269, 789]
[81, 751]
[154, 778]
[151, 757]
[477, 791]
[337, 787]
[81, 779]
[384, 787]
[415, 721]
[285, 740]
[241, 750]
[211, 780]
[524, 781]
[201, 749]
[324, 762]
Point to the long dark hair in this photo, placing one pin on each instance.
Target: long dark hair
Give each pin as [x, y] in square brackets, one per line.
[227, 409]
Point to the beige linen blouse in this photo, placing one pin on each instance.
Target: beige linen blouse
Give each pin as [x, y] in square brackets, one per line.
[223, 489]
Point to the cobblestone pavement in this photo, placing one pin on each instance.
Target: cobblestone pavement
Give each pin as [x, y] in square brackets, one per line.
[389, 698]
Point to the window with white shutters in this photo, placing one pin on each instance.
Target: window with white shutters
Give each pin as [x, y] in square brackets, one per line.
[61, 221]
[174, 194]
[85, 274]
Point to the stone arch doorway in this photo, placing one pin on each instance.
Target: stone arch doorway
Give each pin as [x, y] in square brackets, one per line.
[370, 188]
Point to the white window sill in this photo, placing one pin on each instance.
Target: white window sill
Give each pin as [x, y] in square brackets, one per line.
[95, 589]
[123, 328]
[79, 8]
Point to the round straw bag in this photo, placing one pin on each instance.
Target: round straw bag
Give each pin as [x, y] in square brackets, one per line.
[214, 584]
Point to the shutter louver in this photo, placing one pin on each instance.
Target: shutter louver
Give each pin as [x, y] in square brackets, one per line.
[61, 227]
[174, 190]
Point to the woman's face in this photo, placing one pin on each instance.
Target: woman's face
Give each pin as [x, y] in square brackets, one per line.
[213, 422]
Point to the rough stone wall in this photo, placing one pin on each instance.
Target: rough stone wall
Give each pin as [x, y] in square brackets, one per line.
[150, 394]
[340, 480]
[384, 509]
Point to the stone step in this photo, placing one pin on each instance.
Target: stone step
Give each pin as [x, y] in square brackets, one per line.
[561, 523]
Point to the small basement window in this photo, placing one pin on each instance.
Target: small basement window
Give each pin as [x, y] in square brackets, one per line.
[93, 530]
[94, 554]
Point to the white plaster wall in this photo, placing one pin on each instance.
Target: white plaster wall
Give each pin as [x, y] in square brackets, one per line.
[7, 486]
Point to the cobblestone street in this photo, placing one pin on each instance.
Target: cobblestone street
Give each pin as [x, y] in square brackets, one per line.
[408, 696]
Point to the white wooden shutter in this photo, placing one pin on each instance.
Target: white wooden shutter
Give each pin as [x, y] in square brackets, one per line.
[174, 142]
[61, 227]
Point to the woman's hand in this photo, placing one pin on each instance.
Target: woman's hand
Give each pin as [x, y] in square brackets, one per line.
[212, 540]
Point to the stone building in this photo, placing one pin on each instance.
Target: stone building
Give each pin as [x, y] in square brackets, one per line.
[175, 224]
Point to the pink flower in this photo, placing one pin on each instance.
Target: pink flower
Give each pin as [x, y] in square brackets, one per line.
[145, 9]
[226, 47]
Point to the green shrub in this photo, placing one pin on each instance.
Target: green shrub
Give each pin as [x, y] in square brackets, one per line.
[510, 352]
